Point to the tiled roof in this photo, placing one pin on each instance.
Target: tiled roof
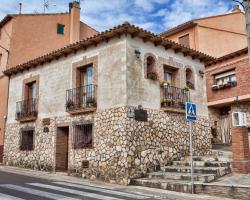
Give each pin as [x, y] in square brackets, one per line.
[117, 31]
[228, 56]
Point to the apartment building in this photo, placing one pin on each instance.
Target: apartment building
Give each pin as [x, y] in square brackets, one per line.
[214, 35]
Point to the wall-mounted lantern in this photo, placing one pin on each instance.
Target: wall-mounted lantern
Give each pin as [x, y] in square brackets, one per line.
[201, 73]
[137, 53]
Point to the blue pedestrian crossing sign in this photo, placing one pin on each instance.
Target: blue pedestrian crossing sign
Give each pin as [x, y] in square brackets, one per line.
[191, 111]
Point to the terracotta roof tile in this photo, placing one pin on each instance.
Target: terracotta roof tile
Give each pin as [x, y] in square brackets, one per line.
[228, 56]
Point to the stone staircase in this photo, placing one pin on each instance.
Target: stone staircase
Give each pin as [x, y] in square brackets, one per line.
[177, 176]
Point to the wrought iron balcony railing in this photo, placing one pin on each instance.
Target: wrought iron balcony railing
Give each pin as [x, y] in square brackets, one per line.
[81, 97]
[26, 109]
[174, 97]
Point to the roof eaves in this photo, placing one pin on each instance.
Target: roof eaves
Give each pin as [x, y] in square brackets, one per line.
[228, 56]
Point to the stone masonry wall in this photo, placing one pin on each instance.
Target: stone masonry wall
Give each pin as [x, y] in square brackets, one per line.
[122, 147]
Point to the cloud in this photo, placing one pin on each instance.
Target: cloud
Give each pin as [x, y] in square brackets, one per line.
[155, 15]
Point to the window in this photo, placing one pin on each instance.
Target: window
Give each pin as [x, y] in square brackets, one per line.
[86, 76]
[27, 139]
[60, 29]
[168, 76]
[225, 78]
[82, 136]
[30, 91]
[189, 78]
[184, 40]
[150, 67]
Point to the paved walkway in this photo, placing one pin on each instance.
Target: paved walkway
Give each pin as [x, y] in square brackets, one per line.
[134, 190]
[235, 179]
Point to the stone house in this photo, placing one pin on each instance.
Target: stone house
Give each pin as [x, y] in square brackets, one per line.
[227, 90]
[216, 35]
[27, 36]
[99, 108]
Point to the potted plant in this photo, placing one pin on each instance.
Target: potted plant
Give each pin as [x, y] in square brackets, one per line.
[153, 76]
[169, 102]
[165, 83]
[185, 88]
[70, 104]
[215, 87]
[89, 101]
[233, 83]
[163, 102]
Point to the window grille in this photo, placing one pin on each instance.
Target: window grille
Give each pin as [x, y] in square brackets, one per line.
[82, 136]
[27, 139]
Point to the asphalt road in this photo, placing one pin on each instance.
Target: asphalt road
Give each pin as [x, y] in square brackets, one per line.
[19, 187]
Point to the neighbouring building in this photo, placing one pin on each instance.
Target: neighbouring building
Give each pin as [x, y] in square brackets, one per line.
[227, 90]
[96, 108]
[215, 35]
[27, 36]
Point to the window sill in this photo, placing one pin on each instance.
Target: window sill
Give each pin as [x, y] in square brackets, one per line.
[174, 110]
[26, 119]
[77, 111]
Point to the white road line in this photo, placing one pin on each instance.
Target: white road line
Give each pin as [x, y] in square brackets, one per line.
[36, 192]
[134, 196]
[8, 197]
[71, 191]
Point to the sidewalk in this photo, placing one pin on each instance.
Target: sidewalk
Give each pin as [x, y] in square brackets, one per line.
[154, 193]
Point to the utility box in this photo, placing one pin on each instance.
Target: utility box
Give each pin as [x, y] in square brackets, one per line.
[239, 119]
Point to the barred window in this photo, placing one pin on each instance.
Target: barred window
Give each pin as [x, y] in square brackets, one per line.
[27, 140]
[82, 136]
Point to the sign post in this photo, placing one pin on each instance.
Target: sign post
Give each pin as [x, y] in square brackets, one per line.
[191, 116]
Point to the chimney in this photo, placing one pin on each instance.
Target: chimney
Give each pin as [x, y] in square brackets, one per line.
[20, 8]
[236, 8]
[74, 11]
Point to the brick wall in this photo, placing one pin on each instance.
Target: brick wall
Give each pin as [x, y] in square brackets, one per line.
[242, 75]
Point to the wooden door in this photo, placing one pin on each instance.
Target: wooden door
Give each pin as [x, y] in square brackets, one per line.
[62, 149]
[225, 129]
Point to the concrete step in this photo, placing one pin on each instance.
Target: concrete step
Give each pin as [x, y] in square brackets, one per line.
[218, 171]
[202, 163]
[173, 185]
[204, 178]
[213, 158]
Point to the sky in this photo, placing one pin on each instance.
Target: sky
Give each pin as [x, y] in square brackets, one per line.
[153, 15]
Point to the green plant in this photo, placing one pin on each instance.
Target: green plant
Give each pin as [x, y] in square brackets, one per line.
[185, 88]
[89, 100]
[165, 82]
[70, 104]
[153, 76]
[169, 100]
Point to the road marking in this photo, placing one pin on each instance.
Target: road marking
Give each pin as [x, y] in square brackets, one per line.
[134, 196]
[8, 197]
[36, 192]
[71, 191]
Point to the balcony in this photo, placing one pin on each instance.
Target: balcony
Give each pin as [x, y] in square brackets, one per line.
[174, 98]
[26, 110]
[81, 100]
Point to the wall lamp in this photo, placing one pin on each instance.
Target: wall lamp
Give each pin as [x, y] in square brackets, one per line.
[137, 53]
[201, 73]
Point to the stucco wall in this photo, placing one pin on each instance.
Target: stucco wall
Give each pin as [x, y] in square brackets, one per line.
[56, 78]
[147, 92]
